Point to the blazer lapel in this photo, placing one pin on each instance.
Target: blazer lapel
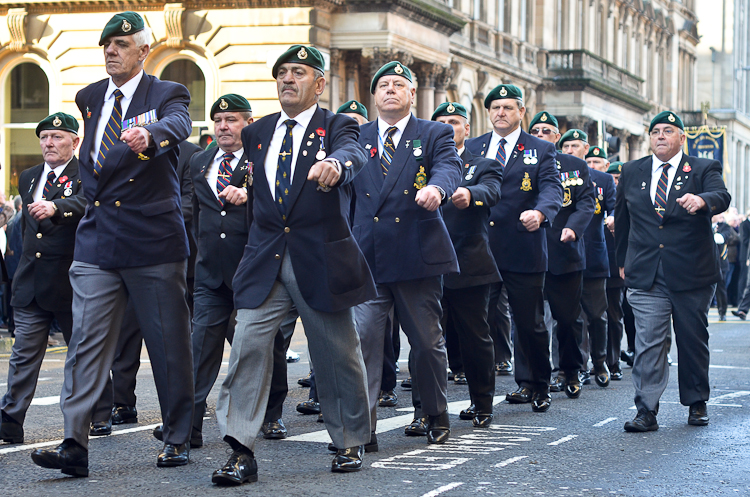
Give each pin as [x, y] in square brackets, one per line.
[306, 156]
[401, 157]
[240, 172]
[645, 177]
[373, 160]
[258, 152]
[673, 192]
[515, 154]
[202, 183]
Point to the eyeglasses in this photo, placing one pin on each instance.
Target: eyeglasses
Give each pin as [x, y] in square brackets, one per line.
[541, 131]
[667, 132]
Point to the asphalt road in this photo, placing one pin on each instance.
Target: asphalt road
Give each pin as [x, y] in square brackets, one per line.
[577, 448]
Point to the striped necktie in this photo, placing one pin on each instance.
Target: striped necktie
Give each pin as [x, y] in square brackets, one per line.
[225, 174]
[389, 150]
[284, 168]
[660, 199]
[111, 134]
[48, 185]
[500, 156]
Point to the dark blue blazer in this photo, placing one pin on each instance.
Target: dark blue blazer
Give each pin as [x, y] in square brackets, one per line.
[516, 249]
[331, 271]
[468, 227]
[401, 240]
[222, 230]
[683, 242]
[133, 216]
[575, 213]
[597, 260]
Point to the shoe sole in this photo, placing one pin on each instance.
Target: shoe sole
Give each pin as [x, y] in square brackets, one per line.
[307, 411]
[171, 464]
[129, 421]
[602, 384]
[697, 422]
[387, 404]
[345, 470]
[511, 400]
[271, 436]
[231, 482]
[466, 417]
[13, 440]
[539, 409]
[573, 396]
[100, 433]
[415, 433]
[77, 471]
[636, 429]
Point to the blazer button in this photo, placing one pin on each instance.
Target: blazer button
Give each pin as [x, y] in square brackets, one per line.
[38, 255]
[492, 223]
[376, 219]
[277, 257]
[117, 203]
[661, 227]
[96, 203]
[398, 220]
[287, 230]
[406, 192]
[223, 235]
[367, 194]
[38, 235]
[661, 245]
[223, 213]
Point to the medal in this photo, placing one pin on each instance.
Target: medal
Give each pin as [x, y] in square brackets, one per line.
[417, 152]
[320, 155]
[69, 191]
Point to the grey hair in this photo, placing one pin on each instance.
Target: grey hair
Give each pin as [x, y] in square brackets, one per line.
[142, 37]
[318, 73]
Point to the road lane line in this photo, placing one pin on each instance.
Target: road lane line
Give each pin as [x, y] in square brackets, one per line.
[732, 395]
[604, 422]
[502, 464]
[45, 401]
[563, 440]
[443, 489]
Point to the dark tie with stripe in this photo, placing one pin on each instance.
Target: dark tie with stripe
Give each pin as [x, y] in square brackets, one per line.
[389, 150]
[225, 174]
[660, 199]
[48, 185]
[500, 156]
[111, 134]
[284, 168]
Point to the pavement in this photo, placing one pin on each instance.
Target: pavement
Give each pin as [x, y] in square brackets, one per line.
[577, 448]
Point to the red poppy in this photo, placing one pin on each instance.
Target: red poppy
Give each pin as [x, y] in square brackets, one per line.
[320, 132]
[258, 146]
[520, 147]
[63, 179]
[373, 151]
[686, 168]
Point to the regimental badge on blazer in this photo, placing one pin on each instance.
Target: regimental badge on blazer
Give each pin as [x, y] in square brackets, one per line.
[526, 183]
[420, 181]
[567, 198]
[140, 120]
[248, 175]
[598, 209]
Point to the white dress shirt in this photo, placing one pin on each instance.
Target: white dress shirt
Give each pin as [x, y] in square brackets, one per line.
[656, 171]
[298, 134]
[396, 137]
[39, 191]
[128, 90]
[510, 144]
[212, 173]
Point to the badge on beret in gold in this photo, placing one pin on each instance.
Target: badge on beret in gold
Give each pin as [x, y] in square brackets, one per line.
[503, 92]
[543, 118]
[223, 105]
[353, 106]
[420, 181]
[671, 118]
[302, 54]
[126, 25]
[450, 109]
[526, 183]
[57, 122]
[398, 69]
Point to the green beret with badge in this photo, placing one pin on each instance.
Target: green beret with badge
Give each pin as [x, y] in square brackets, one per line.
[450, 109]
[666, 117]
[615, 168]
[573, 134]
[503, 91]
[543, 117]
[353, 107]
[231, 102]
[392, 68]
[122, 24]
[596, 152]
[58, 121]
[300, 54]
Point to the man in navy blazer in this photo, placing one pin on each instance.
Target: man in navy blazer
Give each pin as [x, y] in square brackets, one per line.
[531, 198]
[667, 256]
[413, 168]
[131, 242]
[300, 251]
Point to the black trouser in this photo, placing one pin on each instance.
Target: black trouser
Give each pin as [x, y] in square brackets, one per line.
[391, 349]
[498, 315]
[465, 317]
[594, 304]
[563, 293]
[614, 326]
[628, 320]
[721, 289]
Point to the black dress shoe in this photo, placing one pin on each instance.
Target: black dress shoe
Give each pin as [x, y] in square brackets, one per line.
[601, 375]
[10, 430]
[196, 437]
[69, 457]
[460, 379]
[100, 428]
[468, 413]
[645, 420]
[558, 383]
[305, 382]
[240, 468]
[274, 430]
[698, 414]
[584, 377]
[520, 396]
[740, 314]
[309, 407]
[615, 373]
[504, 368]
[371, 446]
[406, 384]
[540, 401]
[320, 418]
[722, 317]
[387, 399]
[173, 455]
[124, 415]
[348, 460]
[482, 420]
[451, 375]
[438, 428]
[627, 357]
[573, 389]
[417, 428]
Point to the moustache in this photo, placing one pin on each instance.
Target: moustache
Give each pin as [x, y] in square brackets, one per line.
[289, 87]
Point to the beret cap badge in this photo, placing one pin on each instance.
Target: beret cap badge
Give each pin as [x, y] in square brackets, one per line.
[450, 108]
[126, 25]
[543, 118]
[671, 118]
[398, 69]
[503, 92]
[223, 105]
[302, 54]
[353, 106]
[57, 122]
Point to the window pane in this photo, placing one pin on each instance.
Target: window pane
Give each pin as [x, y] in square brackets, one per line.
[187, 73]
[24, 153]
[29, 94]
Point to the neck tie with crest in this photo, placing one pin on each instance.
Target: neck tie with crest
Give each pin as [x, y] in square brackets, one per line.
[389, 150]
[225, 174]
[48, 185]
[500, 156]
[660, 199]
[284, 168]
[111, 134]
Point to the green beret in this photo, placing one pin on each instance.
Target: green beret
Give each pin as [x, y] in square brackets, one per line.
[544, 117]
[450, 109]
[231, 102]
[573, 134]
[666, 117]
[597, 152]
[393, 68]
[122, 24]
[300, 54]
[503, 91]
[353, 107]
[615, 168]
[58, 120]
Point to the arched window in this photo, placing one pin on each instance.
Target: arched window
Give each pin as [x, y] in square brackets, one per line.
[26, 91]
[187, 72]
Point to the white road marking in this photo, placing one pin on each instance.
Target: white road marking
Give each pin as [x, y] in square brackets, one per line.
[732, 395]
[45, 401]
[443, 489]
[710, 403]
[604, 422]
[53, 443]
[458, 406]
[502, 464]
[563, 440]
[415, 461]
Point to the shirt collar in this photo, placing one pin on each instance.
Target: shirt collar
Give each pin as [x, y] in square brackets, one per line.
[127, 90]
[674, 162]
[303, 118]
[220, 153]
[512, 137]
[58, 170]
[401, 125]
[461, 151]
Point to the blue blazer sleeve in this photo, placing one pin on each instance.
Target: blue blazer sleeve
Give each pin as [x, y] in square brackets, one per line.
[445, 170]
[343, 135]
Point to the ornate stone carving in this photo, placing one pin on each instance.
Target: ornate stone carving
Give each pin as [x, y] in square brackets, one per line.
[380, 56]
[17, 28]
[173, 21]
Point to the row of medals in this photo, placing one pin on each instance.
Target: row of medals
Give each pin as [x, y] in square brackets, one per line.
[572, 182]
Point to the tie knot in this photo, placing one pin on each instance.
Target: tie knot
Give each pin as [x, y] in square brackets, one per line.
[666, 166]
[391, 130]
[118, 94]
[503, 141]
[290, 123]
[51, 176]
[228, 156]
